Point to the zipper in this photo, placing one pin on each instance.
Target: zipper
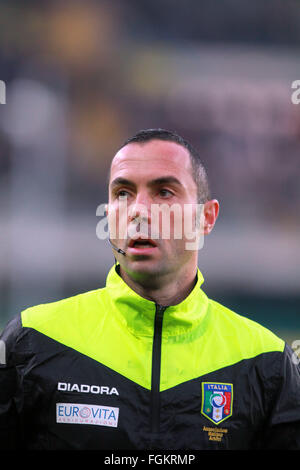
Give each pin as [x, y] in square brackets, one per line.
[156, 366]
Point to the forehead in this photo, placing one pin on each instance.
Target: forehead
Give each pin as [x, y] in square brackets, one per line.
[151, 159]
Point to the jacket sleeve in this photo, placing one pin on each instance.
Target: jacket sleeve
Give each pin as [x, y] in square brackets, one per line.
[284, 424]
[9, 388]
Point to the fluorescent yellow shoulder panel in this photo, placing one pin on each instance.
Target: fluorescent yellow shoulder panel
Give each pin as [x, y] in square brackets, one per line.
[199, 335]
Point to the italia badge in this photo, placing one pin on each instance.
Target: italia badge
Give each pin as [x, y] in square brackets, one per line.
[217, 401]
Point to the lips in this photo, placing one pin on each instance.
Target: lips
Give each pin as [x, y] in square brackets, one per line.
[142, 242]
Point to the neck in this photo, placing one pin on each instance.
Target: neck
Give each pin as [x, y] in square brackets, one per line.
[164, 290]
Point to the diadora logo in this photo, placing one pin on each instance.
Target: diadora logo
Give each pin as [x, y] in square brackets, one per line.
[83, 388]
[217, 399]
[78, 413]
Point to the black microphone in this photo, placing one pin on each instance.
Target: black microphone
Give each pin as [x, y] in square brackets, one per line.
[117, 249]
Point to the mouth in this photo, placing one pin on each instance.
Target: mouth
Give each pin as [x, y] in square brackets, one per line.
[141, 245]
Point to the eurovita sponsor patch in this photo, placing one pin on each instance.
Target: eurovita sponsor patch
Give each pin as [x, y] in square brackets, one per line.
[78, 413]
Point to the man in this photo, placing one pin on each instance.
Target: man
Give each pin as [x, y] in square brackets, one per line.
[148, 362]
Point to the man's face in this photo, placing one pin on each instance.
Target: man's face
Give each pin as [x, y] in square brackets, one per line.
[143, 177]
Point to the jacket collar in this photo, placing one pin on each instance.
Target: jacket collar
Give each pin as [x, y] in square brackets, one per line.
[138, 313]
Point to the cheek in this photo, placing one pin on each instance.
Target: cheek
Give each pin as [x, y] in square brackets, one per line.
[167, 222]
[183, 223]
[117, 221]
[177, 225]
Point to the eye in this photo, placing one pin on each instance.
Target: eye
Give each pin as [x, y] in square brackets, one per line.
[122, 194]
[165, 193]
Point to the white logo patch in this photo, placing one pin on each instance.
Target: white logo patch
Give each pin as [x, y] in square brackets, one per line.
[78, 413]
[2, 352]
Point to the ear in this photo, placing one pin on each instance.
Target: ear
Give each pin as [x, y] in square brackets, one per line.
[210, 213]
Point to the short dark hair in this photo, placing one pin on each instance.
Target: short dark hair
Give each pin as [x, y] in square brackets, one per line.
[198, 170]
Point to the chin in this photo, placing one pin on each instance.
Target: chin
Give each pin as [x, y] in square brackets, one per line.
[144, 269]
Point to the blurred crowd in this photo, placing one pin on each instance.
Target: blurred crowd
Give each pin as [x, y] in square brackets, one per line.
[82, 76]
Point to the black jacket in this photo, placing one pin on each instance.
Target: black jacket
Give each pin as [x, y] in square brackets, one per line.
[109, 369]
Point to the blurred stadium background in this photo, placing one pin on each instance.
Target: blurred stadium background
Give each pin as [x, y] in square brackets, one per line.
[82, 76]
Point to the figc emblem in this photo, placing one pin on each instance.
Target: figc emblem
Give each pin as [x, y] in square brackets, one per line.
[217, 401]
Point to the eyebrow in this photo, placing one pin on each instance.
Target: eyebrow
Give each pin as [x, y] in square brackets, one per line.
[157, 181]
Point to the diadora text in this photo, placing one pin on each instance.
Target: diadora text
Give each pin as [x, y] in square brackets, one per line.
[83, 388]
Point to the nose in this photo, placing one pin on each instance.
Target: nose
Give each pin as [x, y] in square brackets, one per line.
[141, 208]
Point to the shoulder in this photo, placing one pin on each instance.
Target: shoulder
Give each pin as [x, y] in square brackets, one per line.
[61, 311]
[65, 321]
[54, 319]
[12, 331]
[245, 335]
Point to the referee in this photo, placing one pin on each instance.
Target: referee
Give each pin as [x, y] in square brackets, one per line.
[148, 361]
